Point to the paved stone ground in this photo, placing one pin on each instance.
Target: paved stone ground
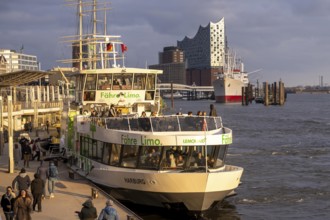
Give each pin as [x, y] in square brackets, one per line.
[69, 193]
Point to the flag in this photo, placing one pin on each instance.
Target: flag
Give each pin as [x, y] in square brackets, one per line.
[123, 48]
[109, 46]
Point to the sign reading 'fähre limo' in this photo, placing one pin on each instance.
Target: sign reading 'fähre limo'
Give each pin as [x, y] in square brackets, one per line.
[174, 140]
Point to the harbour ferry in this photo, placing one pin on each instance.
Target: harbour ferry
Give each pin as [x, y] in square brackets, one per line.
[117, 136]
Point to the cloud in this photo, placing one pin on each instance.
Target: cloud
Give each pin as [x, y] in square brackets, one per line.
[287, 39]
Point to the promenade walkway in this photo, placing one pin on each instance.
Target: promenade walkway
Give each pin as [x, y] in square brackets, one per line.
[69, 193]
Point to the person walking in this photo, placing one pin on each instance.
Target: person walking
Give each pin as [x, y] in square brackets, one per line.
[52, 175]
[7, 203]
[112, 111]
[17, 155]
[36, 149]
[47, 126]
[88, 211]
[42, 172]
[22, 181]
[27, 152]
[213, 111]
[109, 212]
[22, 206]
[37, 188]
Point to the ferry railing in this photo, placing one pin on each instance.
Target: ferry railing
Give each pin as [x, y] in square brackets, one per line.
[160, 123]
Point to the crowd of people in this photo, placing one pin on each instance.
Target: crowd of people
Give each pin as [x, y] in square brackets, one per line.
[25, 196]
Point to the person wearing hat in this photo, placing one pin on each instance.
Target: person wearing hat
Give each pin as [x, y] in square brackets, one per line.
[109, 212]
[22, 181]
[88, 211]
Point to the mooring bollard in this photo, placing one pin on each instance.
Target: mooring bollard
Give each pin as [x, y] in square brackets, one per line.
[71, 174]
[95, 193]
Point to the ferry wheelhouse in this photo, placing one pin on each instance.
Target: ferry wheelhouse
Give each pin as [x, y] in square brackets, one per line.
[157, 160]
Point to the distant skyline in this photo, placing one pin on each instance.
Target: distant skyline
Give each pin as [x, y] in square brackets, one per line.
[288, 40]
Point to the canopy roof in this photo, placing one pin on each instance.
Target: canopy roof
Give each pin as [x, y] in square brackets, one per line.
[21, 77]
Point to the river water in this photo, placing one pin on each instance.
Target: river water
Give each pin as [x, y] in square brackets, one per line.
[285, 153]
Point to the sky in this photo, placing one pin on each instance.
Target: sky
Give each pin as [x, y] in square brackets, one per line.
[287, 39]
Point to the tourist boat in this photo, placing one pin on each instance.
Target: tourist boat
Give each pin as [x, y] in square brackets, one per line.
[170, 161]
[229, 82]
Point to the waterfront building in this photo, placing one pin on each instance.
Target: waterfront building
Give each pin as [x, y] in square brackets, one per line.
[12, 61]
[171, 61]
[205, 53]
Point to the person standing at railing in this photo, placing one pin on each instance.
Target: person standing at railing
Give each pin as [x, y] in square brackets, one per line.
[112, 111]
[213, 111]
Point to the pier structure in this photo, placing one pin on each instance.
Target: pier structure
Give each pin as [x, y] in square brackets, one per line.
[274, 94]
[247, 94]
[192, 92]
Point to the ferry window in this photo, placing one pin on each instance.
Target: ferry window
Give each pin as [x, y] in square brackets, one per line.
[129, 156]
[149, 157]
[151, 82]
[197, 157]
[174, 157]
[89, 96]
[210, 123]
[122, 81]
[149, 95]
[84, 146]
[104, 82]
[106, 153]
[92, 148]
[221, 156]
[216, 155]
[99, 149]
[115, 152]
[90, 82]
[218, 122]
[139, 81]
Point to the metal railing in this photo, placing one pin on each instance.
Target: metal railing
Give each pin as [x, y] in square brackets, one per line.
[160, 123]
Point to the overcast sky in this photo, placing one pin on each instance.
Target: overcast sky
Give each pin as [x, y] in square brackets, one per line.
[287, 39]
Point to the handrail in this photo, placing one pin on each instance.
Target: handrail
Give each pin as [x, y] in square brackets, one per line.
[159, 123]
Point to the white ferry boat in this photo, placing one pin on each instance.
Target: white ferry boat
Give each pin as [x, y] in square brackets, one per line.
[164, 161]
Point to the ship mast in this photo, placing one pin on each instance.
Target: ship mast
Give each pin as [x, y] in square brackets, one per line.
[80, 35]
[94, 33]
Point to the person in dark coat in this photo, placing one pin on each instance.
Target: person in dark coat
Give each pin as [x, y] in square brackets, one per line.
[213, 111]
[22, 181]
[27, 153]
[88, 211]
[7, 203]
[42, 172]
[22, 206]
[37, 188]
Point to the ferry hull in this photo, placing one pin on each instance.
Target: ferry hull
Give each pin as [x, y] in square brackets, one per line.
[228, 90]
[170, 190]
[193, 202]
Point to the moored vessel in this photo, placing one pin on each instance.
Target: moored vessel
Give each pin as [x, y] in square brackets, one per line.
[118, 138]
[229, 83]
